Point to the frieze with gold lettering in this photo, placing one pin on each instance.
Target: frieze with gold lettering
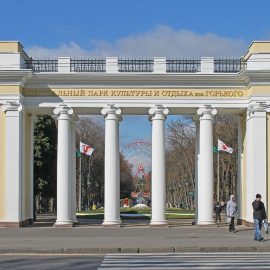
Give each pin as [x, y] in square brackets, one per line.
[135, 93]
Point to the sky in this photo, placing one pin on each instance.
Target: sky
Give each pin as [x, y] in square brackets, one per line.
[141, 28]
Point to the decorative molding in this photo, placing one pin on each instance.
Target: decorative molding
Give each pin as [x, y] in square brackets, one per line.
[158, 112]
[11, 105]
[112, 112]
[63, 109]
[258, 107]
[206, 111]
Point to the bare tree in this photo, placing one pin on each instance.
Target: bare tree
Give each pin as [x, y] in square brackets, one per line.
[181, 159]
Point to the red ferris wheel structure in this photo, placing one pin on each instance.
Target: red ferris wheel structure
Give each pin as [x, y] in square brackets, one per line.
[138, 155]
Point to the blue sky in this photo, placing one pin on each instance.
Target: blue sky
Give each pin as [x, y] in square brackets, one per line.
[51, 23]
[127, 28]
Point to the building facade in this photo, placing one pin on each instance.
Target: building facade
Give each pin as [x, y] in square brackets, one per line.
[115, 87]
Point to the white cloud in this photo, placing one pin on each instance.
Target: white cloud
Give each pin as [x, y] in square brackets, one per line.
[161, 41]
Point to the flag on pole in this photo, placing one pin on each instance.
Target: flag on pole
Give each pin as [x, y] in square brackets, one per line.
[86, 149]
[78, 153]
[223, 147]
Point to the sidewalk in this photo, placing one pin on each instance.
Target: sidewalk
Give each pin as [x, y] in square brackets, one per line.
[135, 236]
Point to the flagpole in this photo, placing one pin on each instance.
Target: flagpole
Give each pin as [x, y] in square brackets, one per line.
[218, 178]
[80, 182]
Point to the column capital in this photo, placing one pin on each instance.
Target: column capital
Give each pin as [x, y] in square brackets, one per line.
[158, 112]
[257, 109]
[111, 112]
[63, 110]
[206, 112]
[11, 106]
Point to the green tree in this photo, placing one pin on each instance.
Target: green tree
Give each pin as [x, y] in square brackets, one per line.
[45, 163]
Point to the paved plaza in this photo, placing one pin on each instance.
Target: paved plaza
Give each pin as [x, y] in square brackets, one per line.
[134, 237]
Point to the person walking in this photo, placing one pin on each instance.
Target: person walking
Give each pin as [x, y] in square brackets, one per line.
[259, 214]
[231, 212]
[218, 209]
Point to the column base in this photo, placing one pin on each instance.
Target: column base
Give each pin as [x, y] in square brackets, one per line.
[27, 222]
[11, 224]
[202, 223]
[76, 222]
[114, 224]
[63, 224]
[16, 224]
[245, 223]
[162, 223]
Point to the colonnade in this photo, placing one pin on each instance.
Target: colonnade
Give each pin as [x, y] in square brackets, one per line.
[66, 185]
[19, 127]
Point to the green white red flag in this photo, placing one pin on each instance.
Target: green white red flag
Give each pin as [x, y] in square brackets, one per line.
[224, 147]
[86, 149]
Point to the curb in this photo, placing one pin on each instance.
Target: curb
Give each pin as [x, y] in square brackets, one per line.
[88, 251]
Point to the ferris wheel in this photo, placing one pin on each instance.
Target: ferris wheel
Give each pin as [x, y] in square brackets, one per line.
[138, 155]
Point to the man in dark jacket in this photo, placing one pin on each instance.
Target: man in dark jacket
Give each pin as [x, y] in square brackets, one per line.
[259, 214]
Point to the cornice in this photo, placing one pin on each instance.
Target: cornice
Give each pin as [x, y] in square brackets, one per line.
[28, 79]
[15, 77]
[136, 80]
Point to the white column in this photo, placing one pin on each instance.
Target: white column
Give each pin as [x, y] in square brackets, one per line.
[158, 116]
[13, 160]
[197, 154]
[205, 165]
[73, 168]
[112, 166]
[256, 167]
[64, 218]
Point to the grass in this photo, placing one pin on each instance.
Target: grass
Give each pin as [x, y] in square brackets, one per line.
[141, 213]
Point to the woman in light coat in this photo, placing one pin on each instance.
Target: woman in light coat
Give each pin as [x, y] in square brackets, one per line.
[231, 212]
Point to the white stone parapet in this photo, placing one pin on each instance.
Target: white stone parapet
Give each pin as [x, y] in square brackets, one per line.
[159, 64]
[11, 61]
[258, 61]
[111, 64]
[64, 64]
[207, 65]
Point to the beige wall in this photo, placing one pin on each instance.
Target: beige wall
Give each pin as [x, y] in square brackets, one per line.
[10, 46]
[258, 47]
[10, 89]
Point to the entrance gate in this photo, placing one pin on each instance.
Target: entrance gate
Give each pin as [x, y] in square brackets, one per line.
[116, 87]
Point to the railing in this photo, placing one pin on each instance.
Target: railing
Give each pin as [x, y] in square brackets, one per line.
[183, 65]
[87, 65]
[229, 65]
[135, 65]
[42, 65]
